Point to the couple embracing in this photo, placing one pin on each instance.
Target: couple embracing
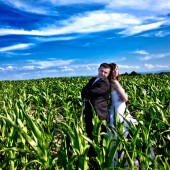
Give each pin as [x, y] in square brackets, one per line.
[97, 93]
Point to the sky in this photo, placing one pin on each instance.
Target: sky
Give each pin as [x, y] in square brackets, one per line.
[63, 38]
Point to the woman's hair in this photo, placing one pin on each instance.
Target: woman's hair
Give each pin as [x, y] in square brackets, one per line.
[113, 66]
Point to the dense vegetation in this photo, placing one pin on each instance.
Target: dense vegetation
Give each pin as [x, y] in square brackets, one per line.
[42, 127]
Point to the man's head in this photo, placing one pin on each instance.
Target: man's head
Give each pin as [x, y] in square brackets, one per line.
[104, 70]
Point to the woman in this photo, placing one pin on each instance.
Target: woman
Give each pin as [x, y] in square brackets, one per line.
[118, 101]
[118, 104]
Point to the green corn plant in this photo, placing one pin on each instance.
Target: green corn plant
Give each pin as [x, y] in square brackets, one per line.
[102, 144]
[74, 147]
[45, 99]
[37, 140]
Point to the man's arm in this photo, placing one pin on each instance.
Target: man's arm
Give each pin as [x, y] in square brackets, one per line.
[86, 89]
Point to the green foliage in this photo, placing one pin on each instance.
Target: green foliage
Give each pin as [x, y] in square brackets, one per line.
[42, 126]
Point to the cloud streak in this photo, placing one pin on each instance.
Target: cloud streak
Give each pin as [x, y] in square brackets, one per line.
[153, 66]
[154, 56]
[90, 22]
[49, 64]
[40, 7]
[141, 52]
[141, 28]
[16, 47]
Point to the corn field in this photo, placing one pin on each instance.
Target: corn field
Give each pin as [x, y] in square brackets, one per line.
[42, 126]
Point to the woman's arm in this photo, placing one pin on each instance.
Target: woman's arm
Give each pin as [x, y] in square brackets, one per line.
[123, 95]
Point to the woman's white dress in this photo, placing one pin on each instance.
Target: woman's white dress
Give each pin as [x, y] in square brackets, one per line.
[122, 116]
[120, 108]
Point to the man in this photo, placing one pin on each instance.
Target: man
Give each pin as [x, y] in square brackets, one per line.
[96, 93]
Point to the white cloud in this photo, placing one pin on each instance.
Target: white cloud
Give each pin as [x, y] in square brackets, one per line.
[10, 68]
[66, 68]
[141, 28]
[161, 34]
[146, 58]
[155, 66]
[51, 71]
[28, 67]
[154, 56]
[33, 7]
[155, 33]
[36, 65]
[100, 21]
[142, 52]
[25, 54]
[85, 23]
[47, 64]
[7, 31]
[94, 22]
[80, 68]
[42, 39]
[22, 76]
[162, 66]
[149, 66]
[10, 54]
[90, 68]
[128, 66]
[2, 68]
[159, 6]
[16, 47]
[48, 6]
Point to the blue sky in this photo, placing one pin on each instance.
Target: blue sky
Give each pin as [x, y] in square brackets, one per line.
[56, 38]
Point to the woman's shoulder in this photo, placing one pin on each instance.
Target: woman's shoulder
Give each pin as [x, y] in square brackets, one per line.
[113, 85]
[114, 82]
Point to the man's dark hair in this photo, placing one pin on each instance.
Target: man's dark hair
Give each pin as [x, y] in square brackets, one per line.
[105, 65]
